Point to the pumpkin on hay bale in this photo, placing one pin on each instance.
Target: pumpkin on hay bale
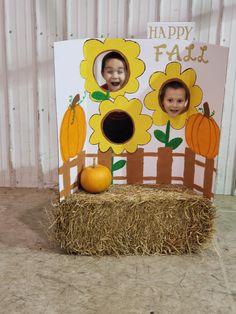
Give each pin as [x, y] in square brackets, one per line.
[133, 220]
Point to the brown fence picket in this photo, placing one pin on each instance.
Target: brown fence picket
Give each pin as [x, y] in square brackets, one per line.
[80, 165]
[134, 162]
[164, 165]
[65, 170]
[189, 168]
[105, 158]
[80, 161]
[208, 178]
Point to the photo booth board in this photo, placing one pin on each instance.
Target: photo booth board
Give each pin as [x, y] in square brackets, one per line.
[128, 130]
[171, 30]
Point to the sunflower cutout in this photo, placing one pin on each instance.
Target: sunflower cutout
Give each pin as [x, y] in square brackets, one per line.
[158, 80]
[120, 125]
[128, 49]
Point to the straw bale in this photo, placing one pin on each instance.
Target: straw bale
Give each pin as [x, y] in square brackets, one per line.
[133, 220]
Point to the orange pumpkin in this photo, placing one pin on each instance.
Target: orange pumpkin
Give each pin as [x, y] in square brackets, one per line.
[95, 178]
[73, 130]
[203, 134]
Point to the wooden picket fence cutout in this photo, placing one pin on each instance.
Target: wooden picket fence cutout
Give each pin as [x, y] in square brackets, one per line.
[135, 161]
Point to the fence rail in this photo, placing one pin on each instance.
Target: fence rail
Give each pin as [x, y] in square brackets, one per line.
[163, 175]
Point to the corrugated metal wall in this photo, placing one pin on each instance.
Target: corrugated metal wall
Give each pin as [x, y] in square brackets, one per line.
[28, 29]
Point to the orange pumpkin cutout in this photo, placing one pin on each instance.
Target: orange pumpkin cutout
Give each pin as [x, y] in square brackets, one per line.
[73, 130]
[203, 134]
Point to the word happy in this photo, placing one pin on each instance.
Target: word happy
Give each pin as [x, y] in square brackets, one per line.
[174, 53]
[169, 32]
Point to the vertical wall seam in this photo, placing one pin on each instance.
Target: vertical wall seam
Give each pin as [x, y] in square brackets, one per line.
[158, 10]
[96, 8]
[190, 10]
[65, 19]
[11, 167]
[219, 26]
[231, 100]
[6, 95]
[36, 93]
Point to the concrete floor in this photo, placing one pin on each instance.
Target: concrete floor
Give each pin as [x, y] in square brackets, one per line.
[36, 279]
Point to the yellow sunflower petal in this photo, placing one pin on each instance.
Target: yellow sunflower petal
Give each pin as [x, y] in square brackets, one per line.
[94, 138]
[144, 138]
[132, 49]
[134, 106]
[157, 79]
[145, 121]
[189, 77]
[191, 111]
[151, 100]
[131, 146]
[136, 68]
[173, 69]
[104, 146]
[113, 44]
[95, 121]
[106, 106]
[195, 96]
[179, 121]
[118, 148]
[160, 117]
[92, 48]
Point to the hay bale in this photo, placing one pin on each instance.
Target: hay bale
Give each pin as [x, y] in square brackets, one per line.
[133, 220]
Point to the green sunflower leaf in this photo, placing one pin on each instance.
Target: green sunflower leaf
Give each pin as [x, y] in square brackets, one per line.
[160, 136]
[118, 165]
[99, 95]
[174, 143]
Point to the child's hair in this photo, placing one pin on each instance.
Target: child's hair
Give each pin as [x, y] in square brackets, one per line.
[175, 85]
[113, 55]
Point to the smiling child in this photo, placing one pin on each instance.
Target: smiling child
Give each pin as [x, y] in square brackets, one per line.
[174, 98]
[114, 71]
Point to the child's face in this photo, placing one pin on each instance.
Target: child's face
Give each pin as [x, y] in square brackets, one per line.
[114, 74]
[174, 101]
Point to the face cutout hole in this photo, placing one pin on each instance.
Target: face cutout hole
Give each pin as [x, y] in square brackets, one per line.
[174, 98]
[111, 71]
[118, 127]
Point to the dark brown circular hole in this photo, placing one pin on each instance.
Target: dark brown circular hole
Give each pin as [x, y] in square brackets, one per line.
[118, 127]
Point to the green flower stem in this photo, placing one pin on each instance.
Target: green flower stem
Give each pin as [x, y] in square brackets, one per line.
[167, 132]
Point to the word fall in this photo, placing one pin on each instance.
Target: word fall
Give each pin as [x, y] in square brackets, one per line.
[174, 53]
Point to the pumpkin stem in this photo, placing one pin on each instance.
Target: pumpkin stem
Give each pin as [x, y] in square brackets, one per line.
[206, 109]
[94, 162]
[75, 100]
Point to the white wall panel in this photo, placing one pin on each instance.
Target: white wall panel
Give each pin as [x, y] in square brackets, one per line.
[81, 18]
[46, 35]
[174, 11]
[19, 28]
[215, 22]
[5, 162]
[28, 29]
[185, 11]
[227, 156]
[201, 15]
[141, 12]
[112, 18]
